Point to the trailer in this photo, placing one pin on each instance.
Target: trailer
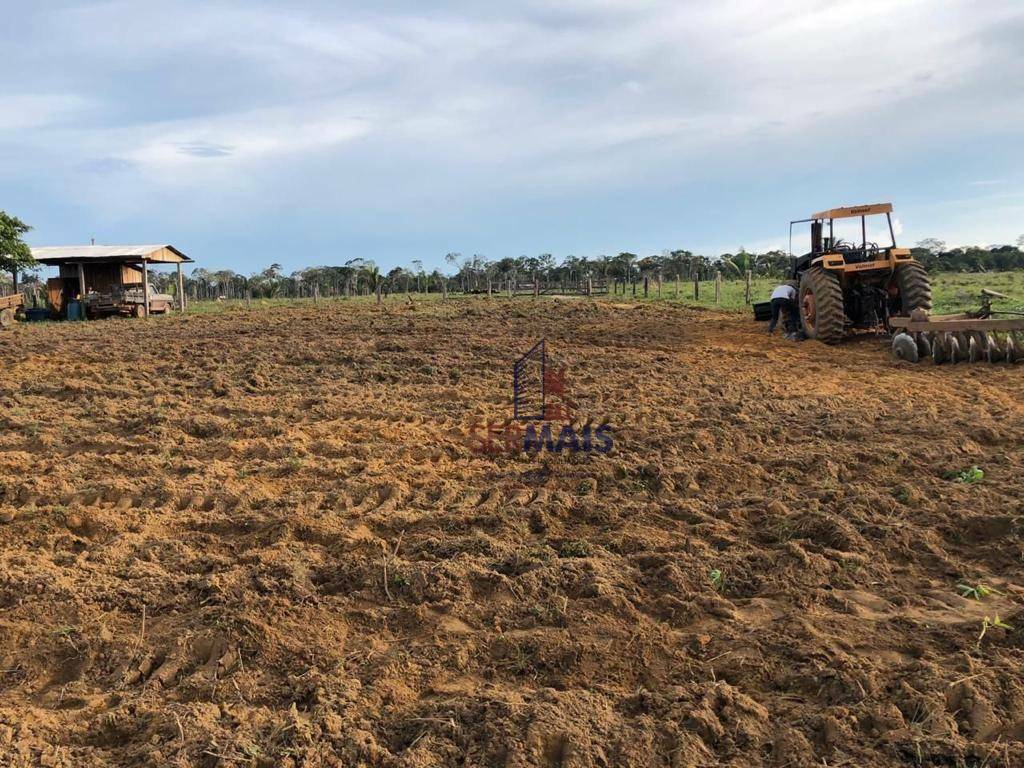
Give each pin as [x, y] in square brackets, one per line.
[995, 336]
[10, 308]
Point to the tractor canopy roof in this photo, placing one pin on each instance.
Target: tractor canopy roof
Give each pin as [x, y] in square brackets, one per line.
[855, 210]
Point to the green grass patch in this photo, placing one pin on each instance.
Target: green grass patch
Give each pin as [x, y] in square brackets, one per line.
[953, 292]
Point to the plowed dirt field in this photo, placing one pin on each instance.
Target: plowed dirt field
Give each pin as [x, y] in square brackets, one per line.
[262, 538]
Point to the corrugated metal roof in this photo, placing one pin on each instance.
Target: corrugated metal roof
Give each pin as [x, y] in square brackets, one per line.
[158, 253]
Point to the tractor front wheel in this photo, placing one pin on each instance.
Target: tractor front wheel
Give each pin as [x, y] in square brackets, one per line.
[821, 306]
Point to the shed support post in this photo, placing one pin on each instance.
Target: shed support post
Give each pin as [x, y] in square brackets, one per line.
[145, 288]
[181, 292]
[81, 280]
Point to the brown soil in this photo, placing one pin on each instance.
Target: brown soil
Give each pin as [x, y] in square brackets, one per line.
[260, 538]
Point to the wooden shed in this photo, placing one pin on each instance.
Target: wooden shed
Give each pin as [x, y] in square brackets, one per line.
[107, 271]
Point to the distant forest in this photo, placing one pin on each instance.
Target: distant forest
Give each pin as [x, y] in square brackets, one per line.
[476, 274]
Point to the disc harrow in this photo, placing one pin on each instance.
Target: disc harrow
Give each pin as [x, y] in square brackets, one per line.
[984, 336]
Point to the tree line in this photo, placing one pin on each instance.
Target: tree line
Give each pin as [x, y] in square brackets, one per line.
[478, 274]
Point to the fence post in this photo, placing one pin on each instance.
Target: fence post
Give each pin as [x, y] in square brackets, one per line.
[747, 295]
[536, 287]
[590, 286]
[718, 287]
[378, 292]
[696, 286]
[316, 294]
[645, 286]
[248, 298]
[181, 292]
[677, 285]
[444, 289]
[659, 286]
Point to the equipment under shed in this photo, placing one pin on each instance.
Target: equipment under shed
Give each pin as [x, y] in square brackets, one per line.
[110, 279]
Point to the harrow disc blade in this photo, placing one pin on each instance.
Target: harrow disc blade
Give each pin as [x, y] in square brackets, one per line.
[952, 348]
[924, 345]
[975, 352]
[904, 347]
[940, 348]
[1012, 353]
[963, 347]
[992, 351]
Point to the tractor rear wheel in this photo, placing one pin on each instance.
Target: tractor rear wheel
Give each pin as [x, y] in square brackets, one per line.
[821, 306]
[915, 287]
[6, 317]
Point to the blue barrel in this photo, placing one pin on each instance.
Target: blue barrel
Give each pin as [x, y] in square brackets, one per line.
[75, 310]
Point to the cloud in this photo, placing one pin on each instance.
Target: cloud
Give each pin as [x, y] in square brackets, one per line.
[205, 149]
[22, 112]
[105, 166]
[242, 138]
[490, 126]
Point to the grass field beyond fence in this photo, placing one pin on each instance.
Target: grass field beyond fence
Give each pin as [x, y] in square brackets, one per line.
[953, 292]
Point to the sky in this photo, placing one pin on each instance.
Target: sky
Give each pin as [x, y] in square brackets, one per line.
[312, 132]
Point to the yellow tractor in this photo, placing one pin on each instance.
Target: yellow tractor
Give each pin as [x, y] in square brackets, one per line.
[853, 282]
[849, 281]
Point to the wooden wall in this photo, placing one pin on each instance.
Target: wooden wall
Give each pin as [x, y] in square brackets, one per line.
[103, 277]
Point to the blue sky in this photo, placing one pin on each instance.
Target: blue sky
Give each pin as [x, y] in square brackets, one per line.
[313, 132]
